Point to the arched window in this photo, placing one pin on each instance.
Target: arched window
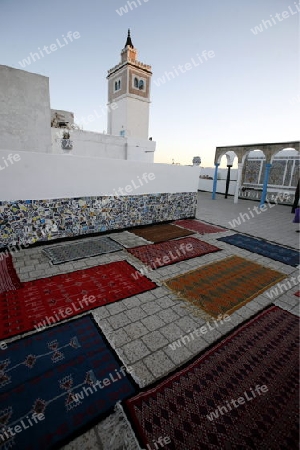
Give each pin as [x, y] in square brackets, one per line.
[136, 82]
[117, 85]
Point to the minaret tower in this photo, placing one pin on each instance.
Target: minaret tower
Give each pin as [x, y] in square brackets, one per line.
[129, 95]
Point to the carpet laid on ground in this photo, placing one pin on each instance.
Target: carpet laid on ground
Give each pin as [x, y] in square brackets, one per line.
[240, 394]
[49, 300]
[272, 251]
[9, 280]
[69, 374]
[170, 252]
[297, 294]
[199, 227]
[224, 286]
[160, 233]
[72, 251]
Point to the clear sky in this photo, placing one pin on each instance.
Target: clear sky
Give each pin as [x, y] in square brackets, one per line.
[247, 92]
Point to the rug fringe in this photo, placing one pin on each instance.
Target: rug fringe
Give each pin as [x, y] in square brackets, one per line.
[118, 427]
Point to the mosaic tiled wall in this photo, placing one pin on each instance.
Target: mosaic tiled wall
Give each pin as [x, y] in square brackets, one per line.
[30, 221]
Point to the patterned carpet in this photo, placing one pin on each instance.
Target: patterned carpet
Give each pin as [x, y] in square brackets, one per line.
[241, 395]
[224, 286]
[71, 252]
[69, 375]
[160, 233]
[49, 300]
[199, 227]
[272, 251]
[9, 280]
[170, 252]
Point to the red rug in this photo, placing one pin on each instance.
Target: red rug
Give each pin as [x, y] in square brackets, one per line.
[199, 227]
[297, 294]
[170, 252]
[9, 280]
[241, 394]
[49, 300]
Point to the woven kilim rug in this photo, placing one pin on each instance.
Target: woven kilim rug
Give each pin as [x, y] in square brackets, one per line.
[241, 394]
[160, 233]
[78, 250]
[170, 252]
[272, 251]
[57, 383]
[199, 227]
[224, 286]
[9, 280]
[49, 300]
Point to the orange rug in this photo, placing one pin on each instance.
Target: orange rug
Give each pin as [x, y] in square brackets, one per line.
[224, 286]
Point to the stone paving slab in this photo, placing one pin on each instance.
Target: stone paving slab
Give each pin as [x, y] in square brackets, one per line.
[275, 224]
[143, 329]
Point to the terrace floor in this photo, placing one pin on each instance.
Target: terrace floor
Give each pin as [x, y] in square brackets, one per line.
[141, 328]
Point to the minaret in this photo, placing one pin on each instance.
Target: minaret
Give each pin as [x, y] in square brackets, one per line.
[129, 95]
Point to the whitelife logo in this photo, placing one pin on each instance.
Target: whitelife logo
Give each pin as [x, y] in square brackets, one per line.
[53, 47]
[279, 17]
[260, 390]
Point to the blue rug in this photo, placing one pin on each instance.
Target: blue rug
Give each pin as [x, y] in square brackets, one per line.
[272, 251]
[56, 384]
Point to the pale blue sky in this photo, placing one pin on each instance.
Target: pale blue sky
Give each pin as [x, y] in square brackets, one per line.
[247, 93]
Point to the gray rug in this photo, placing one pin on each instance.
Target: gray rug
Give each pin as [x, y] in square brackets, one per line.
[78, 250]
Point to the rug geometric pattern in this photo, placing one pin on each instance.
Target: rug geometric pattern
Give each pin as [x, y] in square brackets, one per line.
[68, 374]
[224, 286]
[9, 280]
[161, 232]
[197, 407]
[85, 249]
[170, 252]
[272, 251]
[45, 301]
[199, 227]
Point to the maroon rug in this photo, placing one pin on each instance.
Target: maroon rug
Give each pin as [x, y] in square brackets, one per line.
[199, 227]
[170, 252]
[9, 280]
[241, 394]
[297, 294]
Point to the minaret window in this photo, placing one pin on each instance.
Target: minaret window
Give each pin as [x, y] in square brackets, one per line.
[139, 83]
[117, 85]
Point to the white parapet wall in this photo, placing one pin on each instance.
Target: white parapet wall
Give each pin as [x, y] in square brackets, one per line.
[48, 176]
[99, 145]
[48, 196]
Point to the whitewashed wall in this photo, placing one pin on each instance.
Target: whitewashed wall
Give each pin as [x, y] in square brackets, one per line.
[47, 176]
[25, 111]
[207, 186]
[88, 143]
[91, 144]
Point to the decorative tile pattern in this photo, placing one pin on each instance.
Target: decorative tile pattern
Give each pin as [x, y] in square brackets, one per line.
[277, 173]
[252, 172]
[29, 221]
